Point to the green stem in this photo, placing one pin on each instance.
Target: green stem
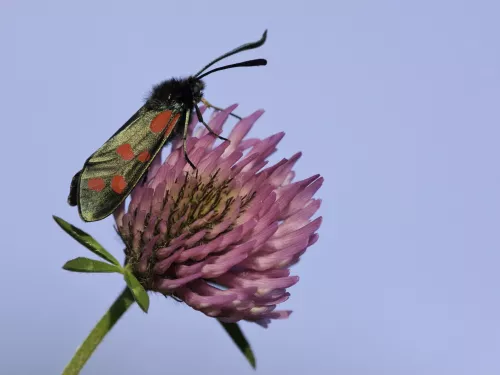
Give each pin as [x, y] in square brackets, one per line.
[83, 353]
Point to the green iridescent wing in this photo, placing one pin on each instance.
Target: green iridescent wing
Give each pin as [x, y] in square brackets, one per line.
[110, 174]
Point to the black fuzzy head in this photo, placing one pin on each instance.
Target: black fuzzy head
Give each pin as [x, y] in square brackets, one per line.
[181, 94]
[185, 93]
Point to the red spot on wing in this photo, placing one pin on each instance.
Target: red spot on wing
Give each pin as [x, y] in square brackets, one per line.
[96, 184]
[118, 184]
[160, 121]
[125, 151]
[144, 156]
[172, 125]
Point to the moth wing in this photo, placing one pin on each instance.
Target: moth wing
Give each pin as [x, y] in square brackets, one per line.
[110, 174]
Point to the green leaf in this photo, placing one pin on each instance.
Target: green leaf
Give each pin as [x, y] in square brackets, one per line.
[86, 240]
[82, 264]
[234, 330]
[140, 294]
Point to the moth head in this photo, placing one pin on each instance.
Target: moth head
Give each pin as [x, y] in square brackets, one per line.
[197, 87]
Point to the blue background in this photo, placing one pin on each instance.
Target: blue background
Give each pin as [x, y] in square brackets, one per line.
[394, 103]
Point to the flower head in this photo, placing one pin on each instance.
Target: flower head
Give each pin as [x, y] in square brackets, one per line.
[222, 237]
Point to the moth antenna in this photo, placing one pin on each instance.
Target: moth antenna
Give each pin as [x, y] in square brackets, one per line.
[239, 49]
[256, 62]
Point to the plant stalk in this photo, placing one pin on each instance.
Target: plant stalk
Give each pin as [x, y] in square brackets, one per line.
[101, 329]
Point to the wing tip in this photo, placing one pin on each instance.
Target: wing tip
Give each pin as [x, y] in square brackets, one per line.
[73, 189]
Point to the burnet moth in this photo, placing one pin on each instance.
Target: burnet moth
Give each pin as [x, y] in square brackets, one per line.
[109, 174]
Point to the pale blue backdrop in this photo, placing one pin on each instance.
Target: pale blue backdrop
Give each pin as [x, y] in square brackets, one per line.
[395, 103]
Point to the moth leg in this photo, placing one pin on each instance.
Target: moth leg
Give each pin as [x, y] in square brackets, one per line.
[209, 105]
[145, 177]
[73, 189]
[200, 119]
[184, 139]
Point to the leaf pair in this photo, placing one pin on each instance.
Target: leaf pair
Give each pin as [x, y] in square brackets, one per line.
[111, 264]
[83, 264]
